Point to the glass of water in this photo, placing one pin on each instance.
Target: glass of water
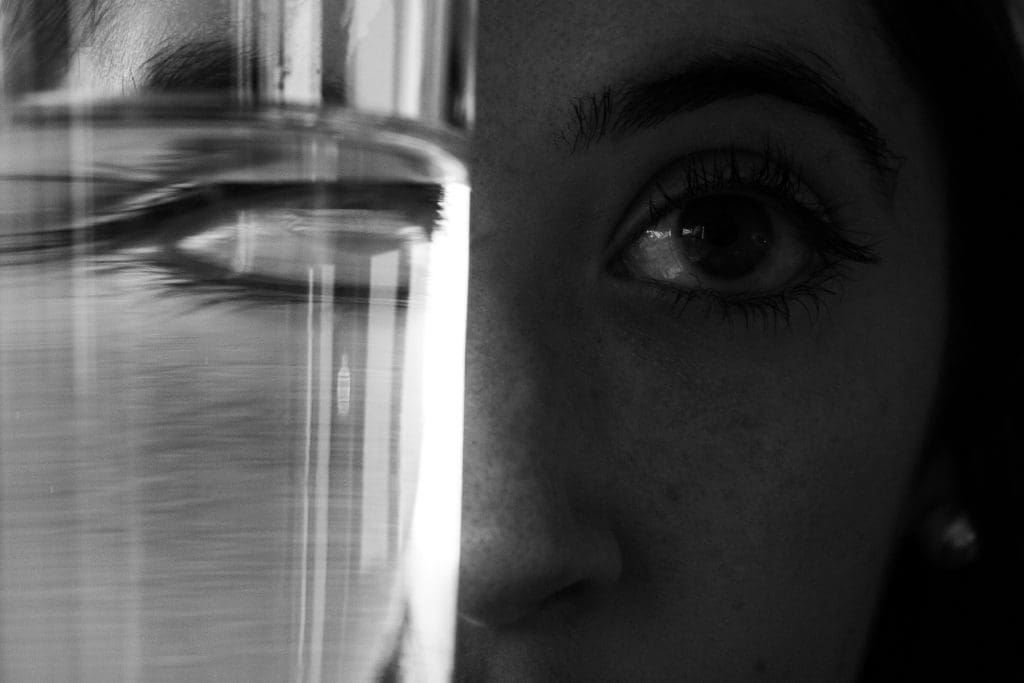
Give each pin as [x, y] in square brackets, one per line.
[233, 252]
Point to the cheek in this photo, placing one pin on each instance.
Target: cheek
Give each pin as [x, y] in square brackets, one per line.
[791, 449]
[758, 477]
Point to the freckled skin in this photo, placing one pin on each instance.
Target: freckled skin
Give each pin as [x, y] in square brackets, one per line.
[652, 496]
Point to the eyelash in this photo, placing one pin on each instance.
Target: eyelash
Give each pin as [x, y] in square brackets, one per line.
[775, 178]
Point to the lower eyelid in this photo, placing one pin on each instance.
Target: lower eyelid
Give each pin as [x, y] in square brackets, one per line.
[769, 312]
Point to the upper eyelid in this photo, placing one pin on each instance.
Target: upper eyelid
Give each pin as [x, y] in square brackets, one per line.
[820, 226]
[774, 164]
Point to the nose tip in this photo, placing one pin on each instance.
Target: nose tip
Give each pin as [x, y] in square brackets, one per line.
[510, 573]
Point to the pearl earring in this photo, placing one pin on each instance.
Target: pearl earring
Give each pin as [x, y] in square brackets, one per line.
[949, 537]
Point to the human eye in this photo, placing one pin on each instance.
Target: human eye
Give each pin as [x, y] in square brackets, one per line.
[258, 245]
[240, 244]
[741, 232]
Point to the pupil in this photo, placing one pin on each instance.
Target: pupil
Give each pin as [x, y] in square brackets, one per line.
[726, 236]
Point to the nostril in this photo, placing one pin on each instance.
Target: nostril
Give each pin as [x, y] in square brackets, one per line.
[503, 582]
[505, 609]
[571, 592]
[571, 597]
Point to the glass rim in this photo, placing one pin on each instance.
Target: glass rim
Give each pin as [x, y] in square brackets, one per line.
[61, 107]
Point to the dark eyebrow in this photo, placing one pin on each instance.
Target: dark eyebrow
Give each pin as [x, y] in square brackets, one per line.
[618, 111]
[211, 66]
[40, 37]
[193, 65]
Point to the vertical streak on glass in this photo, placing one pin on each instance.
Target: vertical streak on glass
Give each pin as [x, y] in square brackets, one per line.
[269, 36]
[408, 48]
[464, 109]
[302, 52]
[131, 666]
[421, 44]
[289, 51]
[133, 513]
[245, 245]
[322, 500]
[371, 55]
[374, 531]
[411, 402]
[304, 533]
[344, 393]
[434, 539]
[93, 603]
[3, 71]
[8, 415]
[80, 168]
[243, 19]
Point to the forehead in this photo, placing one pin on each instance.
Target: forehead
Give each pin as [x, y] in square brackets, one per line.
[536, 43]
[527, 21]
[536, 57]
[612, 36]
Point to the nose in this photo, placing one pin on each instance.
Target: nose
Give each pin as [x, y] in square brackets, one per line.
[532, 536]
[524, 550]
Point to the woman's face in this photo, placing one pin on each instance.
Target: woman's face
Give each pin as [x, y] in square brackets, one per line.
[707, 315]
[662, 485]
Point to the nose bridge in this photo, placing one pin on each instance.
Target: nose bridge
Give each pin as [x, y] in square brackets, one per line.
[513, 378]
[524, 540]
[505, 378]
[508, 389]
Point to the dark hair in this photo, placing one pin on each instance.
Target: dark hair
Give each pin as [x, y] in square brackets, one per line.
[968, 624]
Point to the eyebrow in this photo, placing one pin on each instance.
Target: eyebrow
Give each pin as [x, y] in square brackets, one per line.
[37, 38]
[619, 111]
[213, 65]
[193, 65]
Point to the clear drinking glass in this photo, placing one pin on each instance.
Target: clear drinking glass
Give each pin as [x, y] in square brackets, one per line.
[233, 245]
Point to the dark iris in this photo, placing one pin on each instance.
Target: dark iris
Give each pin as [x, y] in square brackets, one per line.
[726, 236]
